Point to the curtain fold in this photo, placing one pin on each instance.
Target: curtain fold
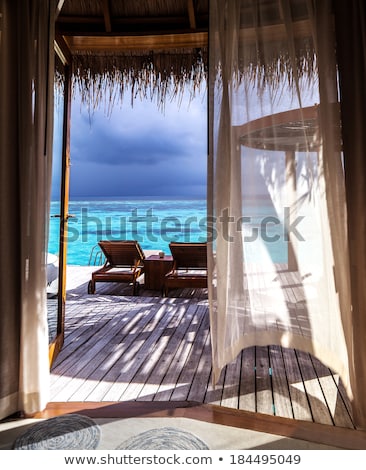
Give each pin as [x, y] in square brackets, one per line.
[26, 123]
[350, 20]
[279, 252]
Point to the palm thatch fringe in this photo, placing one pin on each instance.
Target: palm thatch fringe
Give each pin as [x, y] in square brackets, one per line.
[105, 79]
[267, 67]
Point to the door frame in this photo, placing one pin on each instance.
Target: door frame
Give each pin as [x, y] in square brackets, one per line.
[57, 343]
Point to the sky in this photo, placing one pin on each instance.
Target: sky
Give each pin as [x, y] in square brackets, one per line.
[139, 150]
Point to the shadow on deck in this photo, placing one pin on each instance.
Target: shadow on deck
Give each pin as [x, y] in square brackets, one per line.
[149, 349]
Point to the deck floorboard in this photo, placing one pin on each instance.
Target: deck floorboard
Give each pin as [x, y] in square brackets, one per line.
[150, 348]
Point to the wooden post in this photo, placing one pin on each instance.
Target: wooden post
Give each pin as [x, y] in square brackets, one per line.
[291, 204]
[64, 206]
[62, 52]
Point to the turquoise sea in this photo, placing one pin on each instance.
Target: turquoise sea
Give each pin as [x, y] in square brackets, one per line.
[154, 222]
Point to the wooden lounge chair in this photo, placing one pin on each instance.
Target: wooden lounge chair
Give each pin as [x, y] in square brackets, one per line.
[189, 266]
[124, 263]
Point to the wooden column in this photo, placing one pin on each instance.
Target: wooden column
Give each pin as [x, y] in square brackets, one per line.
[56, 345]
[291, 204]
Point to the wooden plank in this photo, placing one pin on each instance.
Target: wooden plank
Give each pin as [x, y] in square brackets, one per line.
[213, 394]
[90, 365]
[201, 378]
[303, 321]
[247, 400]
[78, 332]
[168, 382]
[264, 403]
[152, 384]
[318, 404]
[189, 369]
[112, 354]
[202, 294]
[92, 326]
[76, 343]
[290, 299]
[154, 368]
[281, 395]
[300, 406]
[334, 399]
[191, 14]
[230, 393]
[74, 330]
[107, 15]
[343, 393]
[134, 354]
[265, 303]
[298, 288]
[151, 345]
[288, 287]
[135, 43]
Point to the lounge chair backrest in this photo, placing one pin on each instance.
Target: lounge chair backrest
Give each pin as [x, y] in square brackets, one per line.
[122, 253]
[191, 255]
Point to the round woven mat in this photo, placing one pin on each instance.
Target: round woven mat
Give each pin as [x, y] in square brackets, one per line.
[61, 433]
[164, 439]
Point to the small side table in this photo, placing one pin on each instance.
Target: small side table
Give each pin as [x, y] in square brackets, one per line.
[155, 269]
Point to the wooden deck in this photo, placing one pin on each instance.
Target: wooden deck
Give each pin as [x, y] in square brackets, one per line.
[153, 349]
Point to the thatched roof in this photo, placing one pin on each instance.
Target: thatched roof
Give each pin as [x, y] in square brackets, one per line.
[154, 76]
[153, 49]
[157, 49]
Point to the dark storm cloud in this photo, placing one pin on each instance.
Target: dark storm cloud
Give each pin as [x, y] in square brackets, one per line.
[171, 181]
[110, 144]
[139, 151]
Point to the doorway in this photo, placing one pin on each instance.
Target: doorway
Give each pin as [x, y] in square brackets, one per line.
[56, 257]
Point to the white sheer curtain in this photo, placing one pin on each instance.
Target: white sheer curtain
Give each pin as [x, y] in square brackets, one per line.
[26, 122]
[279, 253]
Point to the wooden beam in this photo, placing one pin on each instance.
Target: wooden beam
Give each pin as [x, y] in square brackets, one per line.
[62, 49]
[54, 348]
[276, 32]
[191, 14]
[107, 16]
[59, 6]
[135, 43]
[140, 41]
[76, 21]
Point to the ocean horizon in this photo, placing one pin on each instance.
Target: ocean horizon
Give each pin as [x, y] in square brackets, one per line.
[154, 222]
